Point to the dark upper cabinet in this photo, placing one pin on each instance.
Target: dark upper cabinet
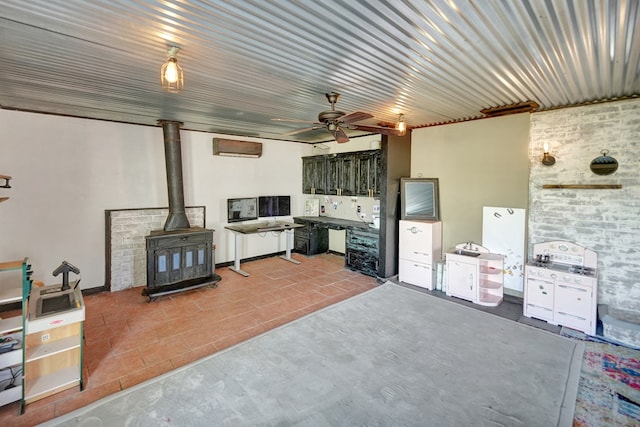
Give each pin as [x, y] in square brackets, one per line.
[341, 174]
[367, 177]
[314, 175]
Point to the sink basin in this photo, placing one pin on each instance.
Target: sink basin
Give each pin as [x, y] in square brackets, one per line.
[466, 253]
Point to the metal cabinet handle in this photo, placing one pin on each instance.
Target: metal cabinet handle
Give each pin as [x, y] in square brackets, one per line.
[544, 308]
[571, 315]
[571, 287]
[414, 230]
[421, 253]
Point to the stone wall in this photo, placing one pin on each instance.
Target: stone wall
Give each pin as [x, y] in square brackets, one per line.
[606, 221]
[126, 230]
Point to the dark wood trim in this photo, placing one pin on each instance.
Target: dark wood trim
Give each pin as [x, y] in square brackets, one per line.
[584, 186]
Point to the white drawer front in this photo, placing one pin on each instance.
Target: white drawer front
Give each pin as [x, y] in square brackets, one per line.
[543, 313]
[580, 323]
[415, 242]
[416, 273]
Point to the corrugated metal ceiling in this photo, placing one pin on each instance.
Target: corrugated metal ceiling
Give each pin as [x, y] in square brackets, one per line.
[248, 62]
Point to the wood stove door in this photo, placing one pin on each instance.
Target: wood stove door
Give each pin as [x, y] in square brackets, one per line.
[168, 265]
[195, 261]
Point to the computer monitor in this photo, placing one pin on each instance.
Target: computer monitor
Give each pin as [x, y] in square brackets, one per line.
[242, 209]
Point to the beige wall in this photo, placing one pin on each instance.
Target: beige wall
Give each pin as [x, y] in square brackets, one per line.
[478, 163]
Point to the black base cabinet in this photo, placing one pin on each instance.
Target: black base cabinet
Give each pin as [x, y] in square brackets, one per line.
[310, 239]
[361, 249]
[361, 241]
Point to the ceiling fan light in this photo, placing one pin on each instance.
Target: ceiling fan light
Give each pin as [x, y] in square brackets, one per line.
[171, 74]
[401, 126]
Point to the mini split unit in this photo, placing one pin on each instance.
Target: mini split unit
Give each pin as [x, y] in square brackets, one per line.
[236, 148]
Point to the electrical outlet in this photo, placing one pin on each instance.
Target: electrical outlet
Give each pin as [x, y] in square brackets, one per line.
[359, 209]
[45, 337]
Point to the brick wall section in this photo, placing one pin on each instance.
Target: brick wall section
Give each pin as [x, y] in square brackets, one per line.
[606, 221]
[128, 246]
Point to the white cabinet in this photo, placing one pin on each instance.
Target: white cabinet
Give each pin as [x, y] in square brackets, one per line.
[462, 277]
[53, 343]
[13, 278]
[561, 302]
[478, 278]
[420, 247]
[561, 285]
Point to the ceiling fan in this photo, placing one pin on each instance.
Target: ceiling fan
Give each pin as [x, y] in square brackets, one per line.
[336, 121]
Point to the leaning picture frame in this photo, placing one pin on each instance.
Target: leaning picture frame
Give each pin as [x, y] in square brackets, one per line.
[420, 199]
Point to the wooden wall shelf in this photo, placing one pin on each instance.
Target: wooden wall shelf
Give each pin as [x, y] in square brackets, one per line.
[584, 186]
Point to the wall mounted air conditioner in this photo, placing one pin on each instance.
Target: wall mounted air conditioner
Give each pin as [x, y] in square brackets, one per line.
[236, 148]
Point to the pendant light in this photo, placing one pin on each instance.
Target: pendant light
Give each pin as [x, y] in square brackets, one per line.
[171, 75]
[401, 126]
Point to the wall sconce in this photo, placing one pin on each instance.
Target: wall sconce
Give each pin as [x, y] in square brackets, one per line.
[547, 159]
[171, 75]
[401, 126]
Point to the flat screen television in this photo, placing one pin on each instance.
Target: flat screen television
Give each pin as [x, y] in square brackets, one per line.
[274, 206]
[420, 199]
[242, 209]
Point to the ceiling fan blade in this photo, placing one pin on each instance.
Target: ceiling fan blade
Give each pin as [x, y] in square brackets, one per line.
[295, 132]
[376, 129]
[340, 136]
[293, 121]
[355, 117]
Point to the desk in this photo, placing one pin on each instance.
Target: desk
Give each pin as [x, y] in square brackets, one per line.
[263, 227]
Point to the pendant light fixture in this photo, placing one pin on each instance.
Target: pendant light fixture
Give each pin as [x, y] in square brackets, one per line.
[171, 75]
[401, 126]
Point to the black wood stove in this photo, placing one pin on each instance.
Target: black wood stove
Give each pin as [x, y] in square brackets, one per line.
[179, 257]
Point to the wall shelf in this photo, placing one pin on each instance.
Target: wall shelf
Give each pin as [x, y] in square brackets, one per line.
[584, 186]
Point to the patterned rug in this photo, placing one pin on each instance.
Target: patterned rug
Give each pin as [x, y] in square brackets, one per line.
[609, 389]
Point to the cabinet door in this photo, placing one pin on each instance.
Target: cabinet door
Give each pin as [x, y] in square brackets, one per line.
[340, 174]
[347, 174]
[314, 175]
[367, 179]
[334, 180]
[364, 262]
[538, 300]
[573, 306]
[461, 280]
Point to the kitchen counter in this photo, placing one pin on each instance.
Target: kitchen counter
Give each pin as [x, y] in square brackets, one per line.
[361, 240]
[334, 223]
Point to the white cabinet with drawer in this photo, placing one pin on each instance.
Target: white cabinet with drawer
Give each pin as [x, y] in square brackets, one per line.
[420, 247]
[561, 302]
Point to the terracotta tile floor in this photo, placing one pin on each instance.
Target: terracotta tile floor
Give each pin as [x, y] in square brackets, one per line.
[129, 340]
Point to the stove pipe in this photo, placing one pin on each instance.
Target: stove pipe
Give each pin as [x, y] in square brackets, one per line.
[177, 218]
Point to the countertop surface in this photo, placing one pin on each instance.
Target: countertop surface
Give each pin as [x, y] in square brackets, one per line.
[337, 223]
[262, 227]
